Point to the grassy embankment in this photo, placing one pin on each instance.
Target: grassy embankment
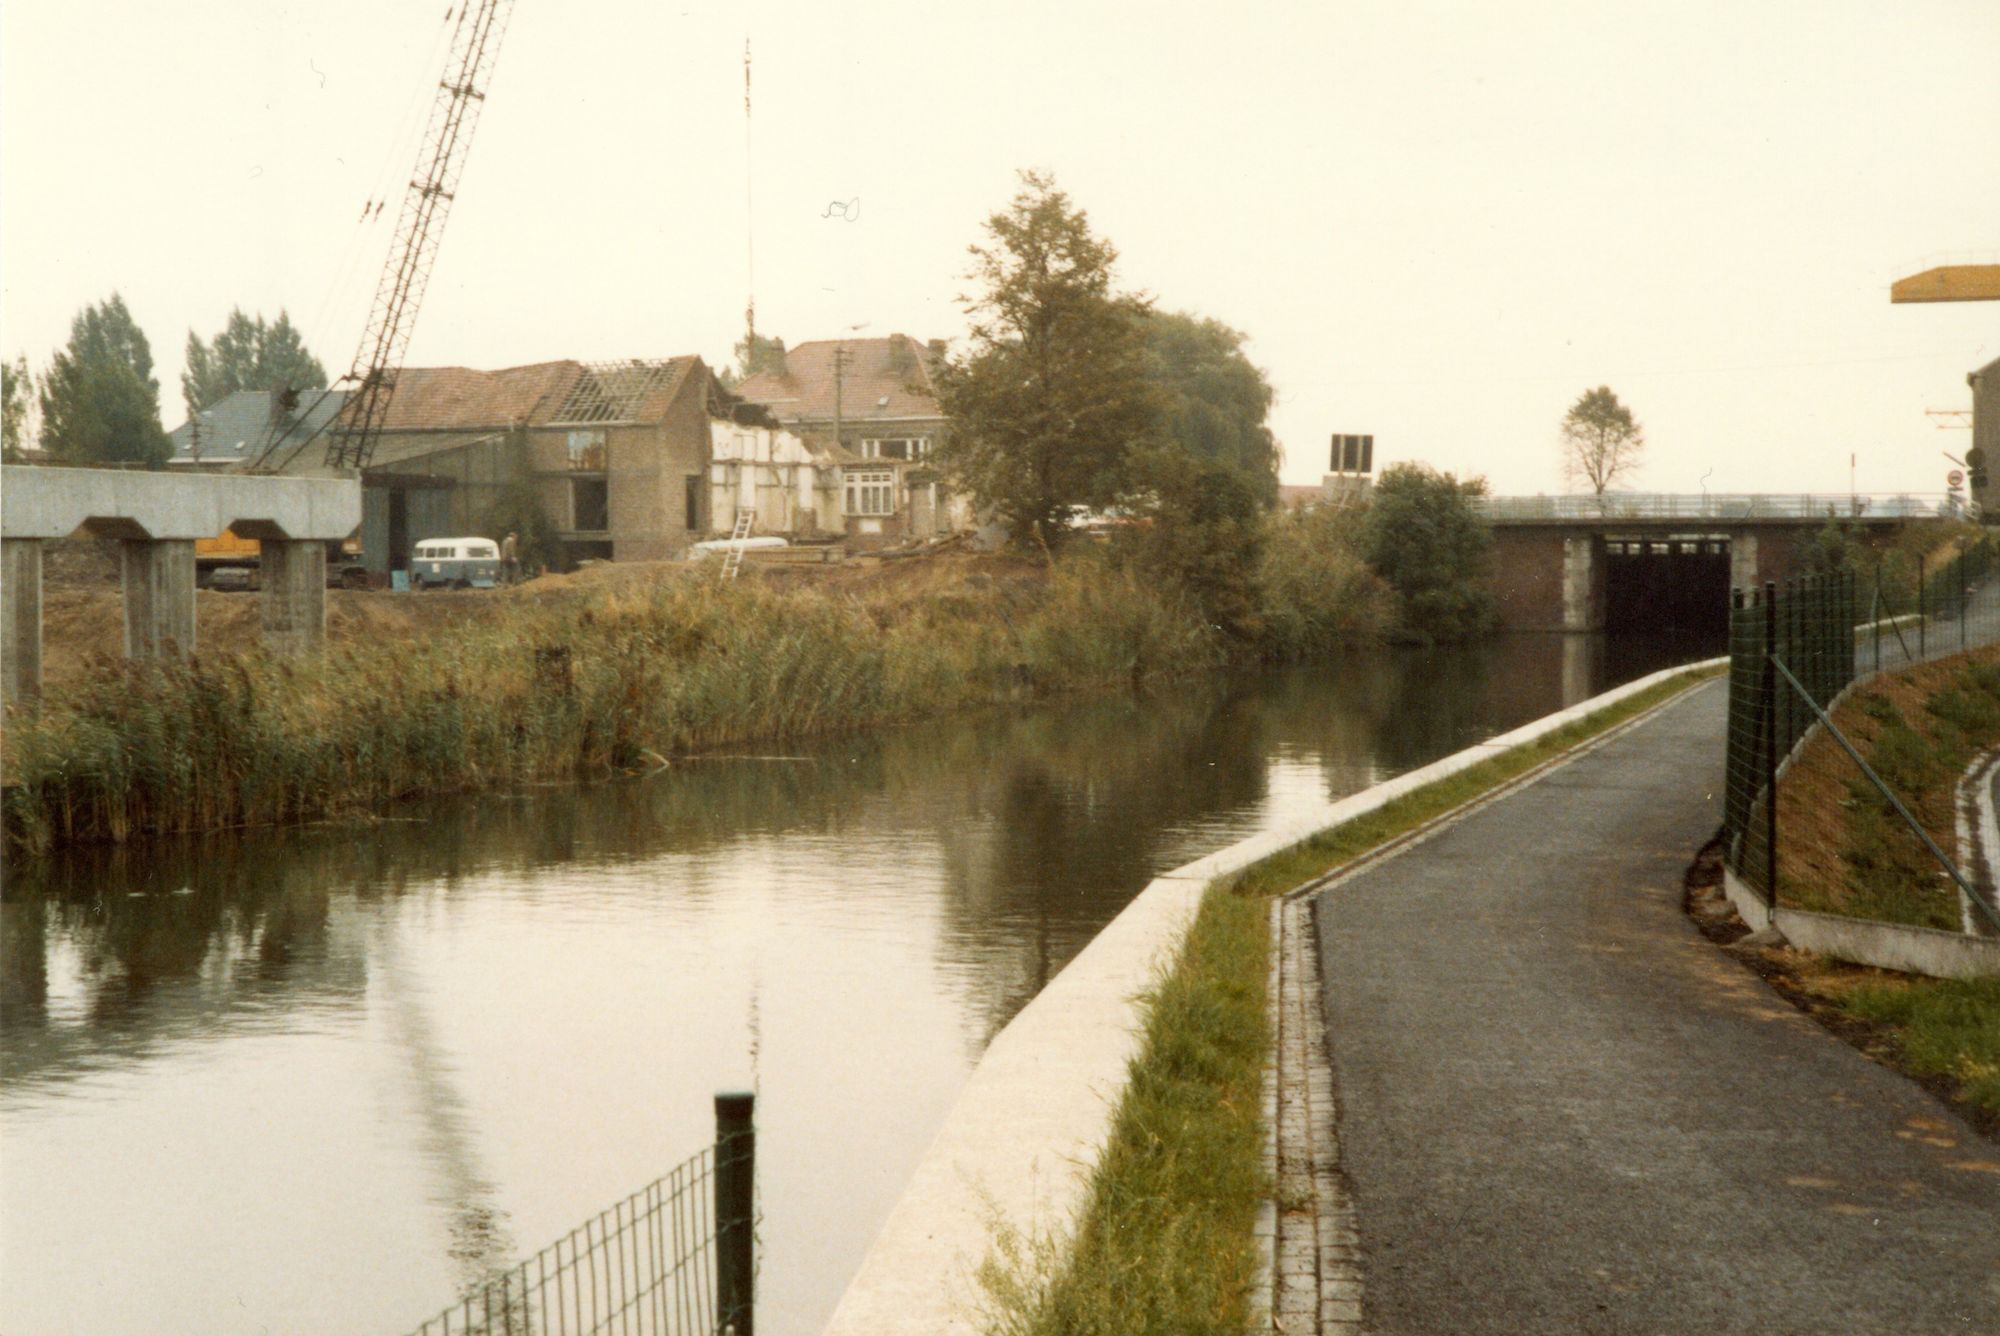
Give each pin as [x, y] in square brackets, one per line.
[1843, 850]
[1165, 1244]
[549, 689]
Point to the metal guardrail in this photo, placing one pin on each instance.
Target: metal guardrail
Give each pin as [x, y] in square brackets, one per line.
[676, 1258]
[1720, 506]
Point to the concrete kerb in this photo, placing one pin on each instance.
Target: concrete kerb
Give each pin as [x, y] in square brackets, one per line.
[1978, 839]
[1882, 946]
[1017, 1149]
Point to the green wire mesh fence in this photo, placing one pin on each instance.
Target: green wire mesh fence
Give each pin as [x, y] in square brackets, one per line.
[1828, 632]
[673, 1259]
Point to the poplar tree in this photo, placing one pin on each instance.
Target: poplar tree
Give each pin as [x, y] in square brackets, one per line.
[100, 403]
[248, 355]
[17, 387]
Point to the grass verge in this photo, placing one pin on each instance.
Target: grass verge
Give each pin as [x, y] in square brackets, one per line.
[1943, 1034]
[1165, 1246]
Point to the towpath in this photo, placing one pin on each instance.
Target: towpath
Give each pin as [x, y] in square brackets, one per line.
[1561, 1110]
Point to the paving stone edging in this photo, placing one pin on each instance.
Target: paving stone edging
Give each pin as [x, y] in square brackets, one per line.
[1017, 1149]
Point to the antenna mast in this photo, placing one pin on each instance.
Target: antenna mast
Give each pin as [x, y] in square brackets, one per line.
[749, 215]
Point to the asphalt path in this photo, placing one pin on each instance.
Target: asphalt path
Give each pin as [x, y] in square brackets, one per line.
[1562, 1110]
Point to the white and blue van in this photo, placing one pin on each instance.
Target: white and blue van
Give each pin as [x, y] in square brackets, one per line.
[462, 563]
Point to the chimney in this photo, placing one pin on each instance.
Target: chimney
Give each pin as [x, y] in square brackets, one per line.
[937, 346]
[900, 357]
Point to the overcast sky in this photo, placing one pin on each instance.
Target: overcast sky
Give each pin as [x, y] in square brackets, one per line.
[1438, 221]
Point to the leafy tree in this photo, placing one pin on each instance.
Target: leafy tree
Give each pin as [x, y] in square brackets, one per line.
[1212, 401]
[1422, 535]
[755, 353]
[1601, 440]
[1832, 549]
[1201, 525]
[1318, 593]
[17, 388]
[1051, 394]
[537, 542]
[99, 400]
[248, 355]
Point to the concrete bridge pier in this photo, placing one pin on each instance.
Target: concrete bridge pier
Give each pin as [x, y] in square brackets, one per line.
[20, 619]
[1743, 569]
[159, 597]
[158, 517]
[294, 595]
[1583, 593]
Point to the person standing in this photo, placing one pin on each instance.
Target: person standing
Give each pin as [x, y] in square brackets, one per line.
[510, 559]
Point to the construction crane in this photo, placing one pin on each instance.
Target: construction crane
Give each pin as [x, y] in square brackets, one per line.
[1949, 283]
[475, 44]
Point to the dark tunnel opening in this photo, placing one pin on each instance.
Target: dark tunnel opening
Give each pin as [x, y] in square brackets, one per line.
[1675, 585]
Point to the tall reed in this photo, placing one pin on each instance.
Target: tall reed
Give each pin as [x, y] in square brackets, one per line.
[539, 692]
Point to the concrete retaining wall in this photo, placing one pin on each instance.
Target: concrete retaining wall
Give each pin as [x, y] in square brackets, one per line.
[1019, 1145]
[1886, 946]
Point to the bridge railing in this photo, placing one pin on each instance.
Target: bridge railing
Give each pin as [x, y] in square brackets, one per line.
[1721, 506]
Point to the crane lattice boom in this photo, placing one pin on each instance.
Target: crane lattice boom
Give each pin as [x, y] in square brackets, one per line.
[475, 44]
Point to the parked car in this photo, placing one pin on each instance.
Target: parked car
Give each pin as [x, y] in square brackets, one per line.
[463, 563]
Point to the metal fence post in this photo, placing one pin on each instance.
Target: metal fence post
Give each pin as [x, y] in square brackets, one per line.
[1923, 609]
[1875, 616]
[735, 1193]
[1960, 586]
[1771, 742]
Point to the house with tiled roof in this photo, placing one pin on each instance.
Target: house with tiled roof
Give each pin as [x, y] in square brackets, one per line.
[244, 424]
[870, 404]
[614, 455]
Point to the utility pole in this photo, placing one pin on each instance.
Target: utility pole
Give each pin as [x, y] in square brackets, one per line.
[749, 216]
[839, 370]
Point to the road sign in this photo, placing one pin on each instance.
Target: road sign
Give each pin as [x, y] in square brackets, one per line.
[1954, 479]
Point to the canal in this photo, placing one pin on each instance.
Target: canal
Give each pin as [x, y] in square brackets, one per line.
[311, 1081]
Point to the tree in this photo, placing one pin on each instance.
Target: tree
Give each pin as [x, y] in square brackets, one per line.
[1318, 593]
[1601, 440]
[1201, 525]
[99, 400]
[17, 389]
[1051, 394]
[248, 355]
[1211, 400]
[756, 353]
[1422, 535]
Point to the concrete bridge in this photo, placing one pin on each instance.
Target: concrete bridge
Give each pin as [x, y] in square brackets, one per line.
[1587, 563]
[157, 517]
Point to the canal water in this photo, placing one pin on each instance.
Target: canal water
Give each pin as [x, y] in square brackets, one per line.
[311, 1081]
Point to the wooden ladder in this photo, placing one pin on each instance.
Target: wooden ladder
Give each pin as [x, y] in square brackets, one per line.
[732, 560]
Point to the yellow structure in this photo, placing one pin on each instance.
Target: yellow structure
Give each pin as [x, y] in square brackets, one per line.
[1949, 283]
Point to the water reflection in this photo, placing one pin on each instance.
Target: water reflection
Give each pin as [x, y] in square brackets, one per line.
[332, 1073]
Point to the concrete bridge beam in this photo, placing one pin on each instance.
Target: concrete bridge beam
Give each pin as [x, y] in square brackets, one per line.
[159, 597]
[294, 595]
[20, 620]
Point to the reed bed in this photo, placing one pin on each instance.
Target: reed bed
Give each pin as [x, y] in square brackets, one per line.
[616, 679]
